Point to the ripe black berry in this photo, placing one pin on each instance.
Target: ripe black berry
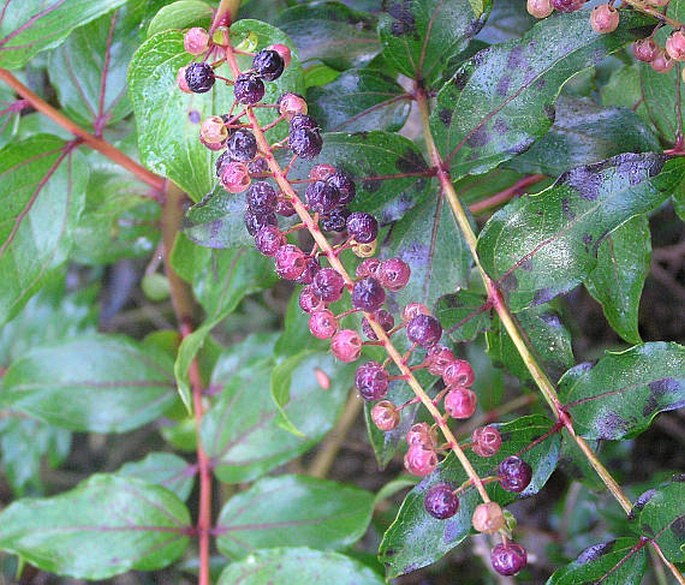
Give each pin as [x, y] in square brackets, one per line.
[424, 330]
[328, 284]
[261, 198]
[255, 221]
[514, 474]
[372, 381]
[368, 295]
[242, 145]
[305, 143]
[336, 220]
[344, 185]
[440, 502]
[508, 559]
[311, 267]
[321, 197]
[248, 89]
[268, 240]
[200, 77]
[302, 122]
[363, 227]
[269, 65]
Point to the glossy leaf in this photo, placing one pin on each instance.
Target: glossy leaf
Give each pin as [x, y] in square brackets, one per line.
[542, 245]
[618, 562]
[663, 519]
[92, 383]
[420, 35]
[584, 133]
[181, 15]
[508, 20]
[240, 432]
[359, 100]
[43, 184]
[331, 32]
[285, 566]
[463, 315]
[10, 114]
[621, 394]
[430, 241]
[676, 10]
[168, 136]
[623, 262]
[499, 102]
[163, 469]
[292, 510]
[106, 526]
[416, 539]
[89, 70]
[659, 92]
[28, 27]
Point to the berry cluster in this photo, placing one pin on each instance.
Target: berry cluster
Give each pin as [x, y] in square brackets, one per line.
[246, 164]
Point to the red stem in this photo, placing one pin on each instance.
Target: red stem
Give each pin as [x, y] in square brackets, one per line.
[506, 194]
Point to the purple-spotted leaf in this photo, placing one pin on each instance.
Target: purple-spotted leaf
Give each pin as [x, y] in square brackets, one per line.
[28, 27]
[105, 384]
[106, 526]
[285, 566]
[164, 469]
[416, 539]
[621, 394]
[168, 120]
[292, 510]
[623, 262]
[500, 101]
[618, 562]
[419, 36]
[463, 315]
[43, 184]
[663, 519]
[542, 245]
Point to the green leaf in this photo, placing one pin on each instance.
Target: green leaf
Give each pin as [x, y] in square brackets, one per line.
[281, 382]
[663, 519]
[618, 562]
[623, 392]
[547, 338]
[10, 114]
[303, 566]
[463, 315]
[240, 432]
[359, 100]
[659, 94]
[676, 10]
[28, 27]
[508, 20]
[623, 262]
[181, 15]
[584, 133]
[89, 70]
[331, 32]
[416, 539]
[430, 241]
[292, 510]
[43, 184]
[296, 337]
[421, 35]
[623, 90]
[168, 136]
[106, 526]
[499, 102]
[163, 469]
[540, 246]
[94, 383]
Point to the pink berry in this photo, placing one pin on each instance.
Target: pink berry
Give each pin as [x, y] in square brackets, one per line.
[269, 239]
[394, 274]
[539, 8]
[328, 284]
[235, 177]
[385, 320]
[321, 172]
[438, 358]
[346, 345]
[291, 104]
[372, 381]
[368, 267]
[604, 19]
[567, 5]
[645, 50]
[309, 301]
[283, 51]
[311, 268]
[181, 80]
[508, 559]
[662, 63]
[422, 434]
[290, 262]
[458, 374]
[675, 45]
[488, 518]
[323, 324]
[196, 41]
[385, 416]
[460, 403]
[420, 461]
[486, 441]
[413, 309]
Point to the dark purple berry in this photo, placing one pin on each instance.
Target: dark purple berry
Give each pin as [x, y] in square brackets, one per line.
[269, 65]
[372, 381]
[285, 208]
[440, 501]
[344, 185]
[309, 301]
[242, 145]
[200, 77]
[394, 274]
[256, 221]
[321, 197]
[329, 285]
[303, 122]
[508, 559]
[336, 220]
[385, 320]
[424, 330]
[311, 267]
[258, 166]
[363, 227]
[268, 240]
[305, 143]
[514, 474]
[248, 89]
[261, 198]
[368, 295]
[568, 5]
